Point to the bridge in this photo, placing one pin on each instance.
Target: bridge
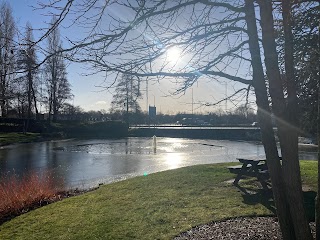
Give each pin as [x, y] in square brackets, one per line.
[200, 132]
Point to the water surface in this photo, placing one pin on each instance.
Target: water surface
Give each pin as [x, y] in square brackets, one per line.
[86, 163]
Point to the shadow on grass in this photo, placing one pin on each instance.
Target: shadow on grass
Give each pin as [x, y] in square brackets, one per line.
[253, 195]
[309, 203]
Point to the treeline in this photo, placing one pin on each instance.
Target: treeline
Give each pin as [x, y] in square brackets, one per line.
[240, 116]
[26, 88]
[61, 129]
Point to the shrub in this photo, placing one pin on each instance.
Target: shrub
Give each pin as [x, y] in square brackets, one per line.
[20, 194]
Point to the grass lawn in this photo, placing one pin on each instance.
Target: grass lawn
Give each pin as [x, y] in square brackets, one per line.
[157, 206]
[9, 138]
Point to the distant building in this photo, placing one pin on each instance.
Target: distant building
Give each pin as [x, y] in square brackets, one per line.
[152, 112]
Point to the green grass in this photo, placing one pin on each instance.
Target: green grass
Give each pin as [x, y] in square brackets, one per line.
[309, 173]
[157, 206]
[10, 138]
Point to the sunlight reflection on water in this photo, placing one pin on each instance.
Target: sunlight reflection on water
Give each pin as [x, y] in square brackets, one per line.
[86, 163]
[173, 160]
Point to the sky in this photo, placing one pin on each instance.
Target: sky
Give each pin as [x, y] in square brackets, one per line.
[90, 95]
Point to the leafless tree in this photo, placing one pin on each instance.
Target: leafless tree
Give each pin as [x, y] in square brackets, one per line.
[55, 76]
[7, 32]
[26, 63]
[19, 102]
[217, 39]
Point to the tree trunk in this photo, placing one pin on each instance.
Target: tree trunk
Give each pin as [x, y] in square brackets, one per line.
[288, 134]
[35, 103]
[318, 137]
[317, 207]
[29, 93]
[50, 107]
[127, 102]
[2, 96]
[265, 122]
[291, 167]
[3, 108]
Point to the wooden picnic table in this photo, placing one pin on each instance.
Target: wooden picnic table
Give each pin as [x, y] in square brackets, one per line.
[254, 167]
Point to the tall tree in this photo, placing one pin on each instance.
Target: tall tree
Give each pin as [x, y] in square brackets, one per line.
[27, 63]
[268, 136]
[305, 33]
[7, 32]
[285, 112]
[318, 140]
[58, 89]
[304, 41]
[127, 93]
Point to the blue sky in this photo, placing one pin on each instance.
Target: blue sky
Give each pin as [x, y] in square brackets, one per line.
[91, 97]
[86, 94]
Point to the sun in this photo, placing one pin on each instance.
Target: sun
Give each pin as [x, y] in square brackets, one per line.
[173, 55]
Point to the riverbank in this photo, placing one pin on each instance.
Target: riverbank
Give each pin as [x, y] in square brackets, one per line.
[19, 208]
[19, 137]
[155, 206]
[12, 138]
[12, 131]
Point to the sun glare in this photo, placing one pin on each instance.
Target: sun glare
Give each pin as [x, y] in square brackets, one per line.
[173, 160]
[173, 55]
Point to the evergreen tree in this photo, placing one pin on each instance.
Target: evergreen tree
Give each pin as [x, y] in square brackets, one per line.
[127, 93]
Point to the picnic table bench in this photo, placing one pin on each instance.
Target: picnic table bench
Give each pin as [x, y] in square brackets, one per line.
[253, 167]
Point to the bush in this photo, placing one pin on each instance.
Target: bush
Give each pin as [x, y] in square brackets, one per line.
[20, 194]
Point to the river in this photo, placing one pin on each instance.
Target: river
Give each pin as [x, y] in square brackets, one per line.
[87, 163]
